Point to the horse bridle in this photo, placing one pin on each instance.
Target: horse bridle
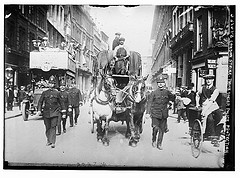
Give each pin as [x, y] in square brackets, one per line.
[133, 93]
[107, 91]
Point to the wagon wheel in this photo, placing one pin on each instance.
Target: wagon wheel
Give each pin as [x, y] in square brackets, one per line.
[196, 138]
[25, 111]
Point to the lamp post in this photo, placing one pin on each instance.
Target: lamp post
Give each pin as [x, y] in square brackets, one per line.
[9, 76]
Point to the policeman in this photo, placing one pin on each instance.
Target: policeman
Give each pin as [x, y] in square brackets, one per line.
[66, 100]
[116, 40]
[208, 94]
[76, 100]
[158, 110]
[53, 106]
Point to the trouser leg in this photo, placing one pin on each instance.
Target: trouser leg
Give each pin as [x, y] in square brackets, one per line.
[154, 133]
[64, 120]
[71, 118]
[210, 125]
[161, 131]
[59, 124]
[179, 115]
[47, 123]
[77, 111]
[52, 131]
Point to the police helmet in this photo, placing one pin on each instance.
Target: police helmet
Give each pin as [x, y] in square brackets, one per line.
[52, 79]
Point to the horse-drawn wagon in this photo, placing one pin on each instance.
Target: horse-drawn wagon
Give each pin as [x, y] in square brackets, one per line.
[43, 64]
[119, 95]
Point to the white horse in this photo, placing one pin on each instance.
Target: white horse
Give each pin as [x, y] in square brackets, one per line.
[101, 108]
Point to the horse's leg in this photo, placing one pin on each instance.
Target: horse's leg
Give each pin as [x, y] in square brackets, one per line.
[128, 132]
[99, 130]
[105, 137]
[133, 141]
[136, 125]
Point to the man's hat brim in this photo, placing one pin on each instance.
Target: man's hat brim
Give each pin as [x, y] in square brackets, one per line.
[209, 76]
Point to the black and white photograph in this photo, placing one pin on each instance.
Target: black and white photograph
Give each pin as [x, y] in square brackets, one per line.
[119, 86]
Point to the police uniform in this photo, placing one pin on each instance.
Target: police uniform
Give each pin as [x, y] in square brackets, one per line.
[64, 97]
[51, 111]
[158, 109]
[75, 100]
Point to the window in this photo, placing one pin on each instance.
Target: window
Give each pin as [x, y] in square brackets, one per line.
[41, 20]
[22, 39]
[210, 27]
[31, 37]
[199, 33]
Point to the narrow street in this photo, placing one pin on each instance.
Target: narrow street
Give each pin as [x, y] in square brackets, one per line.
[25, 143]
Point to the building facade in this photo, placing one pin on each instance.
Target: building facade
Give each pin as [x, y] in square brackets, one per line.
[161, 53]
[23, 23]
[181, 43]
[210, 51]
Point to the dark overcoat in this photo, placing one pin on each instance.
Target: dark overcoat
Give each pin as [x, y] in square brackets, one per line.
[158, 103]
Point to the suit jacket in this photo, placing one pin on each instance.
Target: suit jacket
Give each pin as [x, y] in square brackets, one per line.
[52, 103]
[158, 103]
[75, 97]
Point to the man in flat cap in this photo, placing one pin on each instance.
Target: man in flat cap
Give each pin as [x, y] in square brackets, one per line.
[53, 106]
[158, 110]
[116, 40]
[210, 109]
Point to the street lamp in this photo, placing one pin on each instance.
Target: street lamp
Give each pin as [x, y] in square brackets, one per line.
[9, 76]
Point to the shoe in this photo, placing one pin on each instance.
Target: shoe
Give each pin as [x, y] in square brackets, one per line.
[53, 146]
[71, 125]
[160, 147]
[75, 123]
[48, 144]
[58, 134]
[64, 131]
[166, 130]
[154, 144]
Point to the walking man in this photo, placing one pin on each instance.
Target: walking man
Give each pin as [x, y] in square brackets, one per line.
[76, 100]
[158, 110]
[51, 111]
[65, 99]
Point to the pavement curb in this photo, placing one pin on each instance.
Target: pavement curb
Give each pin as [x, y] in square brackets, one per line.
[9, 117]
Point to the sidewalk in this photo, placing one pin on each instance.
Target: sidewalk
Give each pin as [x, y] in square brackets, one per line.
[14, 113]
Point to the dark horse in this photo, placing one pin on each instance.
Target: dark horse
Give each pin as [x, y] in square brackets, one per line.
[130, 66]
[138, 93]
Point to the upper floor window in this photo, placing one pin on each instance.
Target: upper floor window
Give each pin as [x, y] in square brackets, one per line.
[199, 33]
[22, 39]
[210, 27]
